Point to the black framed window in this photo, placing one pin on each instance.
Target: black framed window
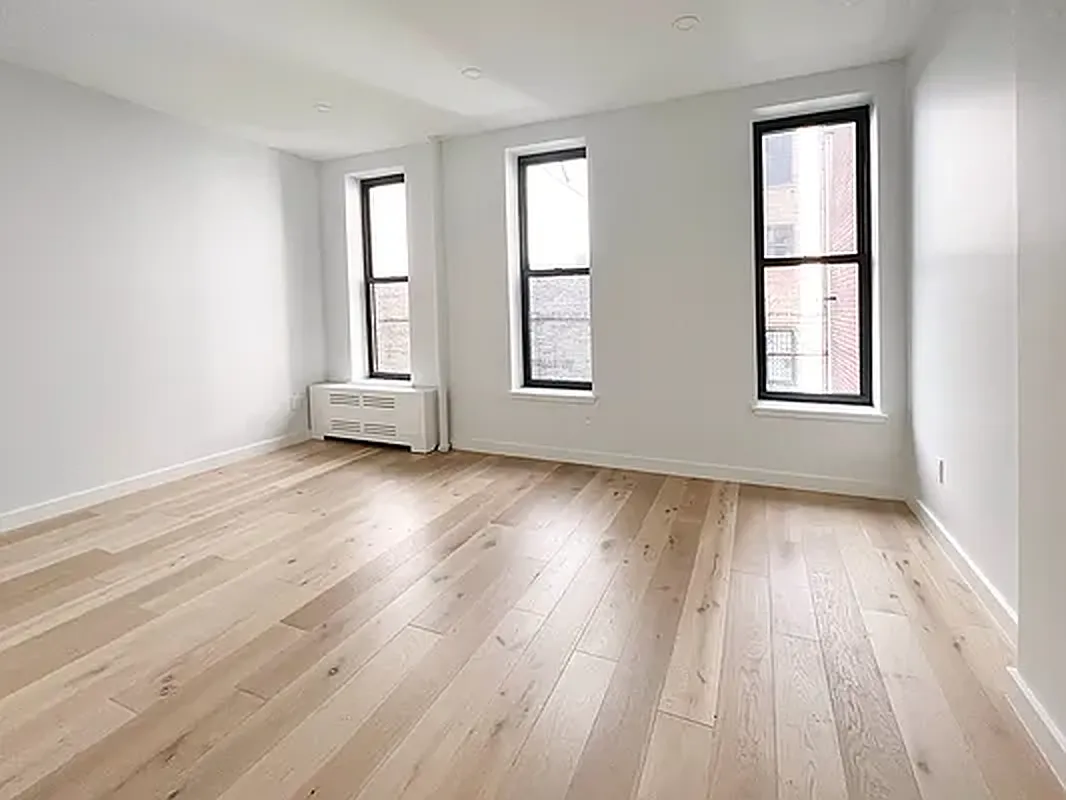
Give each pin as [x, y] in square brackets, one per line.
[813, 258]
[383, 205]
[554, 265]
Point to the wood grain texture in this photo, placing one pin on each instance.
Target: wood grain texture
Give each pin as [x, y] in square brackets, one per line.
[340, 621]
[875, 759]
[746, 758]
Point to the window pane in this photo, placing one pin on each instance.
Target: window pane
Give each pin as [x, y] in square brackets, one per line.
[392, 328]
[557, 214]
[812, 329]
[810, 189]
[388, 230]
[560, 329]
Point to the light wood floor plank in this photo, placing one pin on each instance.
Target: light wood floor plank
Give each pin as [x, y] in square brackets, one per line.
[875, 759]
[746, 758]
[340, 621]
[679, 760]
[694, 675]
[546, 763]
[808, 754]
[611, 763]
[943, 764]
[422, 762]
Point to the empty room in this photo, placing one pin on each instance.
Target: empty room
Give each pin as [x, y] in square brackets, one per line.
[422, 400]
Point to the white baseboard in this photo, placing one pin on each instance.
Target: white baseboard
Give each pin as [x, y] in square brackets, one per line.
[101, 494]
[1043, 730]
[686, 469]
[992, 599]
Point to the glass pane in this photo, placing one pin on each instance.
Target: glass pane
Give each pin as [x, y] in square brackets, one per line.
[388, 230]
[812, 329]
[557, 214]
[810, 191]
[392, 329]
[560, 329]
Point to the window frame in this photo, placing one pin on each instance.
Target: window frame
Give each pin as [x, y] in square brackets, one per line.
[860, 116]
[366, 185]
[525, 274]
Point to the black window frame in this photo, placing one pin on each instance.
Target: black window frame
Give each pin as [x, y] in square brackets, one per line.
[860, 116]
[526, 274]
[369, 281]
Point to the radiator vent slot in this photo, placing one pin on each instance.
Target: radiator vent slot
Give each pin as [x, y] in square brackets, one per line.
[344, 399]
[379, 430]
[382, 401]
[345, 427]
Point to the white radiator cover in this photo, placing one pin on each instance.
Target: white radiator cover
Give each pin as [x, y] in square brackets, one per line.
[372, 412]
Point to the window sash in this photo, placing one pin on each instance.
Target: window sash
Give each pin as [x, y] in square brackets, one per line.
[527, 274]
[370, 281]
[860, 117]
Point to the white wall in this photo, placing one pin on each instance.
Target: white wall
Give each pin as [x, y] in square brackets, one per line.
[672, 297]
[964, 291]
[344, 292]
[1042, 334]
[160, 292]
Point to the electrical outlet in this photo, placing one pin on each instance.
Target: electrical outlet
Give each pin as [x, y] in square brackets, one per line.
[296, 402]
[940, 471]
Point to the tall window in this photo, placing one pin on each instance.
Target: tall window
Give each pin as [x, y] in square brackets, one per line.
[554, 264]
[388, 320]
[813, 268]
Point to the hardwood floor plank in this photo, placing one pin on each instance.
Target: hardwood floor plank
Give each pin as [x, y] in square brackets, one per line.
[746, 756]
[942, 762]
[808, 754]
[49, 740]
[102, 768]
[424, 549]
[606, 633]
[298, 756]
[1012, 768]
[35, 658]
[751, 548]
[567, 562]
[548, 759]
[610, 764]
[423, 760]
[694, 675]
[45, 526]
[875, 759]
[33, 585]
[489, 750]
[348, 771]
[262, 630]
[790, 591]
[679, 760]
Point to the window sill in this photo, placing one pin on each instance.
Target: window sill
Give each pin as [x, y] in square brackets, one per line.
[555, 395]
[832, 413]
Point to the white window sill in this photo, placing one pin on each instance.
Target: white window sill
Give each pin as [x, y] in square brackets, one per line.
[555, 395]
[833, 413]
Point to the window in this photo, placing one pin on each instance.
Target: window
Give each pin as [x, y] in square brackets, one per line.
[388, 324]
[554, 260]
[813, 264]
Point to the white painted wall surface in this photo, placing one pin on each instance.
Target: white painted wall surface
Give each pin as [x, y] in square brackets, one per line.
[672, 297]
[344, 288]
[1042, 334]
[964, 341]
[160, 291]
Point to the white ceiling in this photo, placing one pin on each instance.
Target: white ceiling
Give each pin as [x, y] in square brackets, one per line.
[391, 68]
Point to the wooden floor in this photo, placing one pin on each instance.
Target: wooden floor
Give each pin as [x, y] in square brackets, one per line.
[335, 621]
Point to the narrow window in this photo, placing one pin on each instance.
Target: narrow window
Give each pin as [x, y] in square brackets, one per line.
[388, 323]
[813, 267]
[554, 264]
